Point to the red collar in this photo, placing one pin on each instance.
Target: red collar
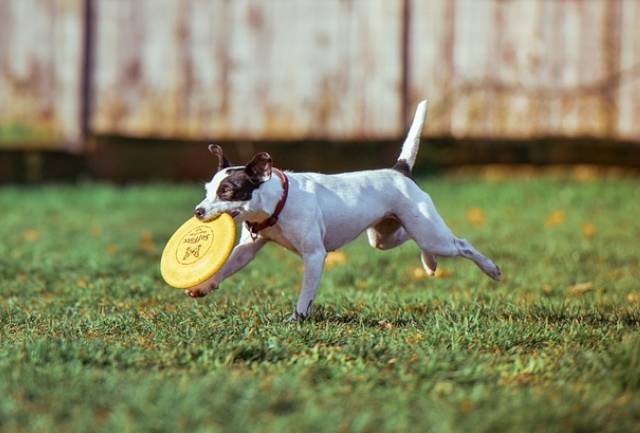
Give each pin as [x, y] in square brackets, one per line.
[255, 228]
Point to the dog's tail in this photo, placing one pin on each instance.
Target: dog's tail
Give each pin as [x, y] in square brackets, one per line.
[407, 157]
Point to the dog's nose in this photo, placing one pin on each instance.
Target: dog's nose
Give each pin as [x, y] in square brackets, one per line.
[199, 213]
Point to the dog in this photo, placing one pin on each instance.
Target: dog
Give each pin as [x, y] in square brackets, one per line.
[312, 214]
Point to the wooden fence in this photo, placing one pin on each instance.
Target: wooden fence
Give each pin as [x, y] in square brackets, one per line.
[40, 72]
[309, 69]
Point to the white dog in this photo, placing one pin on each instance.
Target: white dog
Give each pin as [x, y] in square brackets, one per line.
[311, 214]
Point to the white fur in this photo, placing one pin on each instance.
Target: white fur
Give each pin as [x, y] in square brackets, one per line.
[324, 212]
[412, 142]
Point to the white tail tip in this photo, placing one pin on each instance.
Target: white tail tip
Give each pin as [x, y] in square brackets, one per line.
[412, 142]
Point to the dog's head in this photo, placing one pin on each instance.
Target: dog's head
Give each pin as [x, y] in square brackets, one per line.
[232, 188]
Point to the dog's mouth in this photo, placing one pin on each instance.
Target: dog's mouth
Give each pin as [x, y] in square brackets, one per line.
[233, 213]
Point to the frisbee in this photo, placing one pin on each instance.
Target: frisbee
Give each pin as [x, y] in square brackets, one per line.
[197, 250]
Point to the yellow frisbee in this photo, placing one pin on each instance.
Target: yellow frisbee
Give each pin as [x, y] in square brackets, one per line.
[197, 250]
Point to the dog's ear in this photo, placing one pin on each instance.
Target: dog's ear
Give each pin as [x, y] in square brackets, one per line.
[216, 150]
[259, 168]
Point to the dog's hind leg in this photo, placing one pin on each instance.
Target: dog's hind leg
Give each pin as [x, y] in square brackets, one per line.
[453, 247]
[468, 251]
[427, 228]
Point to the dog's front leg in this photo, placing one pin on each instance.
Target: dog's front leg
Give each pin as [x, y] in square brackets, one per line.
[313, 266]
[241, 255]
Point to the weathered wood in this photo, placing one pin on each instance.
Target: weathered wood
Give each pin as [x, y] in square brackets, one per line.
[40, 56]
[319, 69]
[281, 69]
[628, 92]
[527, 68]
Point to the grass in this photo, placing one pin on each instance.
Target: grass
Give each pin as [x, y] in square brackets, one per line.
[92, 340]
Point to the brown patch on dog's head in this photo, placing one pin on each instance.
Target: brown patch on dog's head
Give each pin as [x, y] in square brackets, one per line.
[216, 150]
[242, 181]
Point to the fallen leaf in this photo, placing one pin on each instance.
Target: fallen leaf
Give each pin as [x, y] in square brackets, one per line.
[476, 217]
[443, 272]
[556, 218]
[335, 258]
[589, 230]
[467, 406]
[580, 288]
[547, 289]
[146, 242]
[31, 235]
[112, 249]
[633, 298]
[418, 273]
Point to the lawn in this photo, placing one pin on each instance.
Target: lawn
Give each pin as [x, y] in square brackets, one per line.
[91, 339]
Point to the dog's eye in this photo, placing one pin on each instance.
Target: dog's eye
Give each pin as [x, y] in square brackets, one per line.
[225, 192]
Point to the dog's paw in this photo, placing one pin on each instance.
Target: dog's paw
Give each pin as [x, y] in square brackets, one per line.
[297, 318]
[429, 263]
[199, 292]
[495, 273]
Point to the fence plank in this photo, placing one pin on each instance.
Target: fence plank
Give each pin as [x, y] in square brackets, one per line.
[527, 68]
[628, 96]
[281, 69]
[40, 58]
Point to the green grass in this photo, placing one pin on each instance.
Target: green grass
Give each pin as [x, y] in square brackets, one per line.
[92, 340]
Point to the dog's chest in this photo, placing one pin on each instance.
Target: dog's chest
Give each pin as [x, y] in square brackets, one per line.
[276, 235]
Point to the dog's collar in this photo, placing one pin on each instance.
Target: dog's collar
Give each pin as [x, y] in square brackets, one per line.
[254, 227]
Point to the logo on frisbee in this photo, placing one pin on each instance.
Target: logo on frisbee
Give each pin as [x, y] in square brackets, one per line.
[194, 245]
